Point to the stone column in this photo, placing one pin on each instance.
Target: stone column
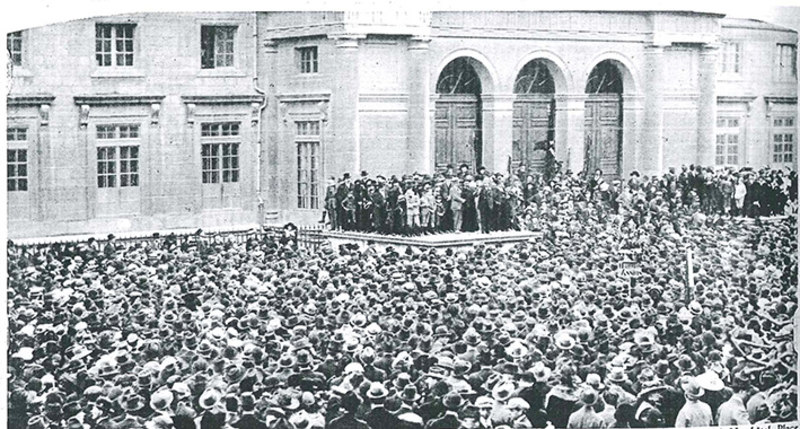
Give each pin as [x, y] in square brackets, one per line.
[195, 147]
[271, 124]
[707, 105]
[43, 152]
[344, 152]
[569, 130]
[632, 112]
[652, 144]
[89, 164]
[497, 130]
[149, 152]
[418, 135]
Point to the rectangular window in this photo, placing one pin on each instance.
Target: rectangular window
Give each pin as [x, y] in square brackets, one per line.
[220, 155]
[217, 46]
[307, 138]
[17, 163]
[731, 57]
[117, 155]
[727, 143]
[114, 45]
[783, 133]
[308, 59]
[107, 167]
[787, 61]
[17, 170]
[219, 129]
[16, 134]
[14, 43]
[120, 131]
[128, 166]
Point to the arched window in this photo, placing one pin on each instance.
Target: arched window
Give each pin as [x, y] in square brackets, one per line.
[604, 79]
[458, 77]
[534, 78]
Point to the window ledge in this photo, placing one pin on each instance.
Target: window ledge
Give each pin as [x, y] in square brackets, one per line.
[19, 71]
[112, 72]
[221, 72]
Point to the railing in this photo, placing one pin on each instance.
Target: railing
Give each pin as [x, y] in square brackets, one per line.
[307, 237]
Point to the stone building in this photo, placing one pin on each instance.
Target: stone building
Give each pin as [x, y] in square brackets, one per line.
[164, 120]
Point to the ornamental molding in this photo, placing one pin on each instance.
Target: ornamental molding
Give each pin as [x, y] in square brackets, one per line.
[117, 100]
[222, 99]
[22, 100]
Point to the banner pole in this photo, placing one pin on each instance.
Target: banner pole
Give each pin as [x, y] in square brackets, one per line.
[690, 276]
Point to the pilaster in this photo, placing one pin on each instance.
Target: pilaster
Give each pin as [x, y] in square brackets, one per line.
[707, 105]
[497, 130]
[652, 145]
[570, 130]
[419, 121]
[345, 153]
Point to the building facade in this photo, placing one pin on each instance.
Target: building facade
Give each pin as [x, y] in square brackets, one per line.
[159, 120]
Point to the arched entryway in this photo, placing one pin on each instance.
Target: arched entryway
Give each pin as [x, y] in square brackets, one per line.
[603, 119]
[534, 116]
[457, 123]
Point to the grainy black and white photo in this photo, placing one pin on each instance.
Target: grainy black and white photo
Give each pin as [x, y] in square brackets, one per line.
[393, 218]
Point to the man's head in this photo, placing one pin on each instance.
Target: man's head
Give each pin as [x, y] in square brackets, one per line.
[351, 402]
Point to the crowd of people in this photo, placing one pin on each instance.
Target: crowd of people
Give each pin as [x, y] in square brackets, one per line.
[463, 201]
[555, 332]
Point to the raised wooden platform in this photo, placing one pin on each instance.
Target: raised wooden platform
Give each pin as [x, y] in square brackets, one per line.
[437, 241]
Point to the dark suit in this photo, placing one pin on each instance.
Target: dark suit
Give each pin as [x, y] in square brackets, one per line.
[374, 374]
[378, 211]
[212, 421]
[448, 421]
[249, 421]
[535, 396]
[380, 418]
[183, 422]
[342, 191]
[307, 381]
[347, 421]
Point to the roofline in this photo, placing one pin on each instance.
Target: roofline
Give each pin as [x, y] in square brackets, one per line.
[775, 27]
[684, 12]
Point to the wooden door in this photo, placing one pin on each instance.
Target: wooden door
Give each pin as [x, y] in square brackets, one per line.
[603, 134]
[457, 131]
[532, 124]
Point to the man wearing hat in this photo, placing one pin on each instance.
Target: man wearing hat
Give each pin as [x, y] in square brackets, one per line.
[343, 190]
[130, 403]
[519, 408]
[213, 417]
[733, 411]
[585, 417]
[248, 420]
[348, 420]
[379, 417]
[536, 393]
[694, 412]
[452, 403]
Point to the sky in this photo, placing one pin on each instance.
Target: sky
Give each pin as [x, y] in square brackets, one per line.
[33, 13]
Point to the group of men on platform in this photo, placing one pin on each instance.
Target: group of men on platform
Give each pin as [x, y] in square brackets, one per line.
[457, 201]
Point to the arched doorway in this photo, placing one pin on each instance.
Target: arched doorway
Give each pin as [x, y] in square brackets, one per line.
[457, 122]
[603, 119]
[534, 117]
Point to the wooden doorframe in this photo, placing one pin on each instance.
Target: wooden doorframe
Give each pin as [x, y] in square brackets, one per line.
[549, 99]
[593, 127]
[455, 99]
